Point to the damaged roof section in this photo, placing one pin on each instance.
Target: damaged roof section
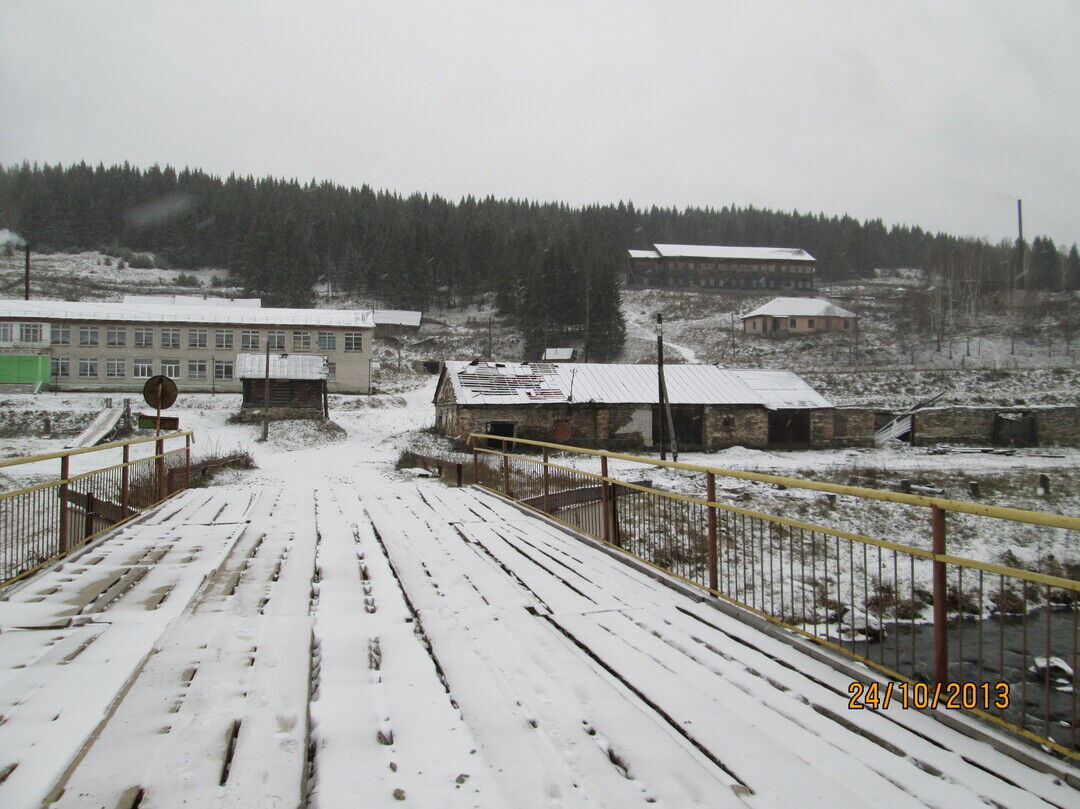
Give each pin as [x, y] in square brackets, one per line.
[525, 383]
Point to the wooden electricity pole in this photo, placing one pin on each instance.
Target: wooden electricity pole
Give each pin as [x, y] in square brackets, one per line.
[266, 393]
[660, 384]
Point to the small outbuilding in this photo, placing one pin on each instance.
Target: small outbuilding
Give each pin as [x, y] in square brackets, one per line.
[396, 322]
[297, 384]
[798, 316]
[559, 355]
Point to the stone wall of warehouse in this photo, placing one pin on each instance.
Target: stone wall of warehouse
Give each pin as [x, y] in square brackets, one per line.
[629, 426]
[735, 425]
[974, 425]
[851, 427]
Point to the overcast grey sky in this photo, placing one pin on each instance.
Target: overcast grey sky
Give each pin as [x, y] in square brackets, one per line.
[939, 114]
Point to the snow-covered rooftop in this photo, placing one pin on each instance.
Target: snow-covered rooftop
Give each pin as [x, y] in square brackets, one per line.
[558, 354]
[397, 317]
[282, 366]
[721, 251]
[800, 307]
[643, 254]
[194, 312]
[192, 300]
[526, 383]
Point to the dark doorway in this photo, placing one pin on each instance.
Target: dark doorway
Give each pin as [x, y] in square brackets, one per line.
[689, 421]
[562, 431]
[1015, 430]
[789, 428]
[506, 428]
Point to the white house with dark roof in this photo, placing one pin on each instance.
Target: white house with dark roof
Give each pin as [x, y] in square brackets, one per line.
[615, 406]
[721, 268]
[798, 316]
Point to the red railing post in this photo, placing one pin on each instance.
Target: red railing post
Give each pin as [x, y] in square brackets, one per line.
[506, 473]
[710, 488]
[159, 467]
[547, 481]
[605, 500]
[457, 474]
[941, 616]
[125, 481]
[65, 538]
[88, 526]
[475, 466]
[187, 460]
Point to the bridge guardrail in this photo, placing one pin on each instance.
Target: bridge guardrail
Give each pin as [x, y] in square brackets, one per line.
[998, 641]
[41, 523]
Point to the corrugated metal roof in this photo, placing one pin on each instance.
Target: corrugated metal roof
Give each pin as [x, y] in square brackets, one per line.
[282, 366]
[802, 307]
[397, 317]
[527, 383]
[192, 300]
[191, 313]
[722, 251]
[782, 390]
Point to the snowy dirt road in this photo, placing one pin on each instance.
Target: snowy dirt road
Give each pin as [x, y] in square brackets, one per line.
[324, 633]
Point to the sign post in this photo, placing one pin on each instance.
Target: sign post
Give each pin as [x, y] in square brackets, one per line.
[160, 393]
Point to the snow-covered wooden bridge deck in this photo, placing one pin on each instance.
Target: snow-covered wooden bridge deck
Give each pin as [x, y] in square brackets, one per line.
[339, 643]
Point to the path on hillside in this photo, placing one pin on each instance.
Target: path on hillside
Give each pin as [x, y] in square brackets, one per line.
[647, 331]
[335, 639]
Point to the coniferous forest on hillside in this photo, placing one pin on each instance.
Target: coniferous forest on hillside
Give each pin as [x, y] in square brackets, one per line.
[550, 265]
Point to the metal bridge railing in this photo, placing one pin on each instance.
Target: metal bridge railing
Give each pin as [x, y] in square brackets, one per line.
[41, 523]
[948, 631]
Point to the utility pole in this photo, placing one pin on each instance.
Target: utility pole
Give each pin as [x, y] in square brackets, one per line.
[588, 309]
[667, 425]
[27, 248]
[1019, 272]
[660, 384]
[733, 339]
[266, 393]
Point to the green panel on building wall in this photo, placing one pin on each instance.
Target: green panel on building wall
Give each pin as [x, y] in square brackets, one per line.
[23, 368]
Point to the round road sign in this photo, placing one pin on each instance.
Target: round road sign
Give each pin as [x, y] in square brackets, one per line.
[159, 391]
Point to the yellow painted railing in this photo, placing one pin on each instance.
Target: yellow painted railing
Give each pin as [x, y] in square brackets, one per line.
[44, 522]
[961, 628]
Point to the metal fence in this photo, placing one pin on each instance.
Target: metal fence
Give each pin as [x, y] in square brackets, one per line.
[456, 467]
[44, 522]
[948, 631]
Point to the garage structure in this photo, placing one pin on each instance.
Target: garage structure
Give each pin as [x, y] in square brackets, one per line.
[615, 406]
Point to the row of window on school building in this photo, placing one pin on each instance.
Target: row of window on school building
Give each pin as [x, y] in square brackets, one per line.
[117, 368]
[169, 337]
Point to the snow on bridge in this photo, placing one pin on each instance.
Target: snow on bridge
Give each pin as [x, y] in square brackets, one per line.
[344, 641]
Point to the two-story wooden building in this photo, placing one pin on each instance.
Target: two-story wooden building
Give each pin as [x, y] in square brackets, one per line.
[721, 268]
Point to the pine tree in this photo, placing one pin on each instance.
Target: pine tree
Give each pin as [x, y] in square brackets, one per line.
[1072, 270]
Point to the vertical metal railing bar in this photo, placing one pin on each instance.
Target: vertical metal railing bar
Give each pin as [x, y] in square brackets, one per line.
[1023, 664]
[1073, 606]
[1046, 668]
